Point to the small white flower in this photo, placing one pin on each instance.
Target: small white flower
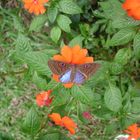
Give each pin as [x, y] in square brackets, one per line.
[122, 137]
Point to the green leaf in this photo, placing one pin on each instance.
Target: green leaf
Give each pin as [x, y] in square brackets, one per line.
[69, 7]
[113, 98]
[112, 9]
[122, 37]
[55, 34]
[123, 56]
[124, 21]
[39, 81]
[136, 45]
[52, 84]
[31, 123]
[50, 52]
[116, 68]
[110, 128]
[52, 13]
[64, 23]
[59, 93]
[38, 61]
[37, 23]
[84, 28]
[6, 136]
[82, 93]
[23, 45]
[135, 105]
[76, 41]
[18, 24]
[52, 136]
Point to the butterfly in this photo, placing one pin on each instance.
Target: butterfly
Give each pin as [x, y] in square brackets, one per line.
[75, 73]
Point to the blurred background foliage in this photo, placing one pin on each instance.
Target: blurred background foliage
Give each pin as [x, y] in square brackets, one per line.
[112, 95]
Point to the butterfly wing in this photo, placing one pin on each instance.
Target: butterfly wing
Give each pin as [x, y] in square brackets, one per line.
[79, 78]
[67, 74]
[58, 67]
[88, 69]
[66, 77]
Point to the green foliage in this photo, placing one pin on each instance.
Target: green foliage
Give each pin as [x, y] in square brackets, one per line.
[69, 7]
[83, 94]
[55, 34]
[52, 13]
[4, 136]
[136, 45]
[38, 62]
[123, 56]
[113, 98]
[54, 136]
[76, 41]
[31, 122]
[64, 23]
[39, 81]
[122, 37]
[37, 23]
[27, 42]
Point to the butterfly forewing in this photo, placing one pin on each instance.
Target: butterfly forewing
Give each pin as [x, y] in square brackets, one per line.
[79, 78]
[88, 69]
[58, 67]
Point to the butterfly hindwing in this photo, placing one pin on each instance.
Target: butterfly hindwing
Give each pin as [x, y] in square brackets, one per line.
[66, 77]
[58, 67]
[79, 78]
[88, 69]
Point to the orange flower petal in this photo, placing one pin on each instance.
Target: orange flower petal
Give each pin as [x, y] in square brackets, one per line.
[56, 118]
[129, 4]
[66, 122]
[56, 77]
[135, 13]
[69, 124]
[132, 8]
[43, 99]
[133, 131]
[76, 49]
[49, 92]
[67, 53]
[35, 6]
[79, 57]
[59, 58]
[68, 85]
[88, 60]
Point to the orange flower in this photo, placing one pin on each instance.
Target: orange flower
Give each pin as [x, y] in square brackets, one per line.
[74, 55]
[134, 132]
[66, 122]
[133, 8]
[35, 6]
[56, 118]
[43, 99]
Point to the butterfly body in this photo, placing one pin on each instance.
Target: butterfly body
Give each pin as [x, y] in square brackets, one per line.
[72, 72]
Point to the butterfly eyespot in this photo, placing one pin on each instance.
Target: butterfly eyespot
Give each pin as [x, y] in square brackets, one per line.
[62, 64]
[87, 66]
